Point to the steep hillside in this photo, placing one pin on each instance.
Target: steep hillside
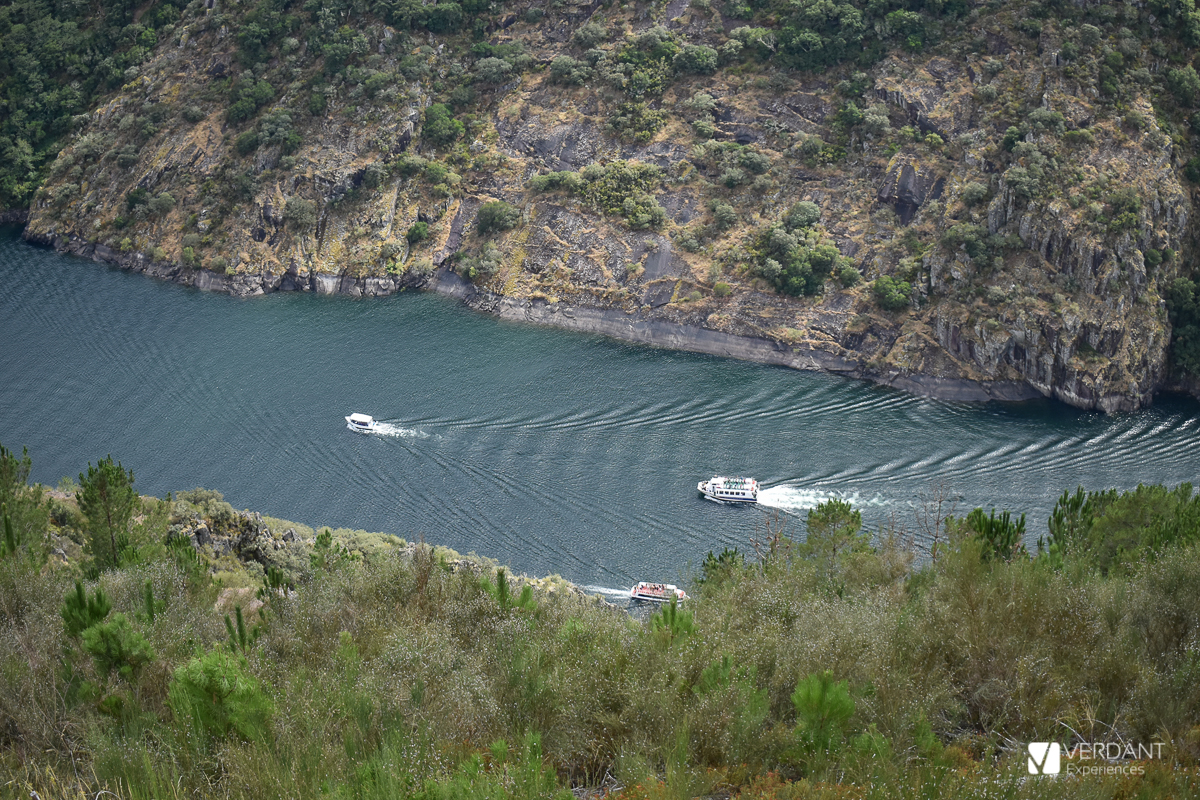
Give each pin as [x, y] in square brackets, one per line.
[973, 202]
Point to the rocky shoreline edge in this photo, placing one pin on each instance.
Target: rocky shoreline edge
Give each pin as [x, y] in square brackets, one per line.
[616, 323]
[253, 539]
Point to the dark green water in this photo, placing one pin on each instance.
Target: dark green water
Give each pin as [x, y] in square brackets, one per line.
[551, 451]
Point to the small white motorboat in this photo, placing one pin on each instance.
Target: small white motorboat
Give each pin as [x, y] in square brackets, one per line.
[657, 592]
[729, 490]
[362, 423]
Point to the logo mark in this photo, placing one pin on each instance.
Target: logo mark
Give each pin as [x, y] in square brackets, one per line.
[1045, 758]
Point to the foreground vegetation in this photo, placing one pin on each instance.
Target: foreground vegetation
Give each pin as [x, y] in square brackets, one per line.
[830, 665]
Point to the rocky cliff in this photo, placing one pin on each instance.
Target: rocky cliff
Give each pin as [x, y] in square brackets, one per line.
[993, 219]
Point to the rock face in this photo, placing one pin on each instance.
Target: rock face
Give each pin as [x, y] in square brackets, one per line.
[907, 185]
[1037, 264]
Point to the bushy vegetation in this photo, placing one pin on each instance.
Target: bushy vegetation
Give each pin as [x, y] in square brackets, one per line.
[440, 126]
[618, 188]
[829, 665]
[891, 293]
[55, 60]
[497, 215]
[794, 256]
[1183, 305]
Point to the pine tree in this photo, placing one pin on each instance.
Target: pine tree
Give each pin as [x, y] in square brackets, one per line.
[80, 612]
[107, 500]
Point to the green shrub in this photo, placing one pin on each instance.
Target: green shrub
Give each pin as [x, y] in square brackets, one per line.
[492, 70]
[1192, 169]
[701, 104]
[497, 215]
[443, 17]
[435, 172]
[80, 612]
[974, 193]
[161, 204]
[417, 232]
[277, 128]
[567, 70]
[300, 214]
[823, 709]
[440, 126]
[803, 215]
[246, 97]
[622, 188]
[116, 647]
[717, 569]
[637, 122]
[571, 181]
[317, 104]
[1024, 182]
[1111, 529]
[722, 289]
[849, 276]
[696, 60]
[672, 623]
[1125, 206]
[215, 695]
[589, 35]
[834, 529]
[139, 197]
[1001, 537]
[410, 164]
[1043, 120]
[373, 175]
[485, 265]
[1184, 83]
[796, 263]
[724, 216]
[246, 143]
[504, 597]
[973, 240]
[891, 294]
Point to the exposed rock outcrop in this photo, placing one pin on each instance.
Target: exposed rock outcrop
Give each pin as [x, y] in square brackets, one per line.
[1019, 285]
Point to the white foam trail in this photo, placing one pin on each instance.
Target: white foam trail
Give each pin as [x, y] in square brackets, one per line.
[796, 498]
[616, 594]
[388, 429]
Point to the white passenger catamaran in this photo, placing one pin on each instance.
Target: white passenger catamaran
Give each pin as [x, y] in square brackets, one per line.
[729, 490]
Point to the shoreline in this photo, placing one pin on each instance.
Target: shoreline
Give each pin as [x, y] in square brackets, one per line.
[615, 323]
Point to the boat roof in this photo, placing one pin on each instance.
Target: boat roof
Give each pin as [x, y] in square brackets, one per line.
[361, 418]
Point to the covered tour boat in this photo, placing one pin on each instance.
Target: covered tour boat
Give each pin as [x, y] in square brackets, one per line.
[657, 592]
[729, 490]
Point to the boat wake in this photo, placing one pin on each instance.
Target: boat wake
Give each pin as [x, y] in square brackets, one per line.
[608, 593]
[796, 498]
[388, 429]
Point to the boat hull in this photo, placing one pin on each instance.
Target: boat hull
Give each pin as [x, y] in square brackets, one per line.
[729, 501]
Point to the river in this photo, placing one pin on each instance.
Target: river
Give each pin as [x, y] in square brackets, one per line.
[553, 452]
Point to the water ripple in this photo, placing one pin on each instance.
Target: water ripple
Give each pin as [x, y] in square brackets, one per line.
[551, 451]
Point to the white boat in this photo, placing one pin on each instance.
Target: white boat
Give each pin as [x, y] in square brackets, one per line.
[657, 592]
[362, 423]
[729, 490]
